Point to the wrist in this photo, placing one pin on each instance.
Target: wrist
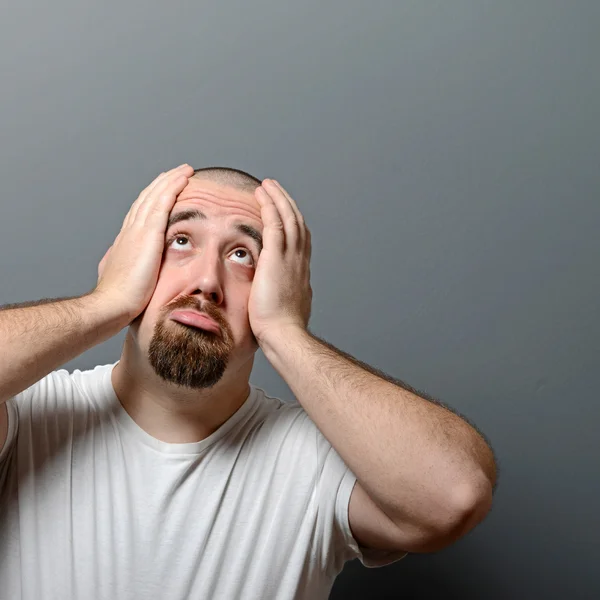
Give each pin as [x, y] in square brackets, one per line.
[107, 315]
[281, 340]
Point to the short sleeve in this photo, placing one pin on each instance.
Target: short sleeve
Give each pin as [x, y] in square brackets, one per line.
[13, 425]
[336, 483]
[32, 407]
[369, 557]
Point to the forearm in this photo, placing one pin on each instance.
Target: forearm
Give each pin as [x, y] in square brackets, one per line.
[36, 338]
[415, 459]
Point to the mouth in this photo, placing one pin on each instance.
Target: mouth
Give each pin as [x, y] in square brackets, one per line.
[194, 319]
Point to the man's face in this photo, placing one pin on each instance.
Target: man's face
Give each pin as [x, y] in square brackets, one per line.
[208, 266]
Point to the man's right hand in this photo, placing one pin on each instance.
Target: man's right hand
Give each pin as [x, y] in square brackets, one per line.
[128, 272]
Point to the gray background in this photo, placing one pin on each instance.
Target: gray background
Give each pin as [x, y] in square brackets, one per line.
[446, 158]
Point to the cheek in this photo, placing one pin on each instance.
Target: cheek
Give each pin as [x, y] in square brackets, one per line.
[238, 317]
[168, 287]
[146, 322]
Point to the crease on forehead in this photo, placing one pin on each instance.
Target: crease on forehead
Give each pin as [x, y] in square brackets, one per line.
[225, 196]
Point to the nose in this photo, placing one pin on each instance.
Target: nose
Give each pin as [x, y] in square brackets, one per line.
[206, 275]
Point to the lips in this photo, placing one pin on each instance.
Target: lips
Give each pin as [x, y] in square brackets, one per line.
[194, 319]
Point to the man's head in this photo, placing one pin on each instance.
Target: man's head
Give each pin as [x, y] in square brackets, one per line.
[212, 245]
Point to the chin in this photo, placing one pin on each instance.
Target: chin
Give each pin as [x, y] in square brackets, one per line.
[187, 356]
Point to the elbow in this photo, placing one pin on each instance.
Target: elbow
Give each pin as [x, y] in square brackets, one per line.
[471, 505]
[474, 500]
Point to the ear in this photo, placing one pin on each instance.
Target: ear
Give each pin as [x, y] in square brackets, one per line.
[102, 263]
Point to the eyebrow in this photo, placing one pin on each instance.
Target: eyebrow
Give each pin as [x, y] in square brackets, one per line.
[196, 215]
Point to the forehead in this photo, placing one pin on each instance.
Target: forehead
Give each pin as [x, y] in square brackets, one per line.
[219, 200]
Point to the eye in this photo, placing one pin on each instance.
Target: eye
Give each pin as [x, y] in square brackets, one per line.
[180, 242]
[178, 238]
[247, 254]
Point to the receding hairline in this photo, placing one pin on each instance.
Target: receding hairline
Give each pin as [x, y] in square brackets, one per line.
[228, 176]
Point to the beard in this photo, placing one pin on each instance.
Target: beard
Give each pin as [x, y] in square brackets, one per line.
[188, 356]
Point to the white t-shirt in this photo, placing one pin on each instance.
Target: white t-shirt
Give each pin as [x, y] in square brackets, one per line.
[92, 506]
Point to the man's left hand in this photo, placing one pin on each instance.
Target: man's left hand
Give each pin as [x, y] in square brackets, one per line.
[281, 295]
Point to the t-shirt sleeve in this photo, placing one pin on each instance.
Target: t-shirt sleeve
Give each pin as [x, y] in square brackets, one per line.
[370, 557]
[11, 435]
[7, 450]
[33, 407]
[336, 482]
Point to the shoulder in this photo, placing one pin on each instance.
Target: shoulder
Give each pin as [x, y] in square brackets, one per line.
[51, 404]
[285, 428]
[61, 387]
[280, 415]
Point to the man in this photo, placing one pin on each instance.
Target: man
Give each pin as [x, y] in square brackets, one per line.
[167, 474]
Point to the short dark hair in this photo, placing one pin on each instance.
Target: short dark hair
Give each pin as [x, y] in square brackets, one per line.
[227, 176]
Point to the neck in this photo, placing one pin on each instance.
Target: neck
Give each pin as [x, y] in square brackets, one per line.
[171, 413]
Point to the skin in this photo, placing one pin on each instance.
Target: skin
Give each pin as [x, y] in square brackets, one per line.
[209, 271]
[424, 476]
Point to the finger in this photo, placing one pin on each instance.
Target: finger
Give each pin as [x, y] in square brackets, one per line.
[184, 169]
[287, 215]
[299, 215]
[303, 229]
[158, 205]
[142, 196]
[273, 231]
[153, 185]
[144, 193]
[161, 181]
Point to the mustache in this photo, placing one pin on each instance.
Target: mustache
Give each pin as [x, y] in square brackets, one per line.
[184, 302]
